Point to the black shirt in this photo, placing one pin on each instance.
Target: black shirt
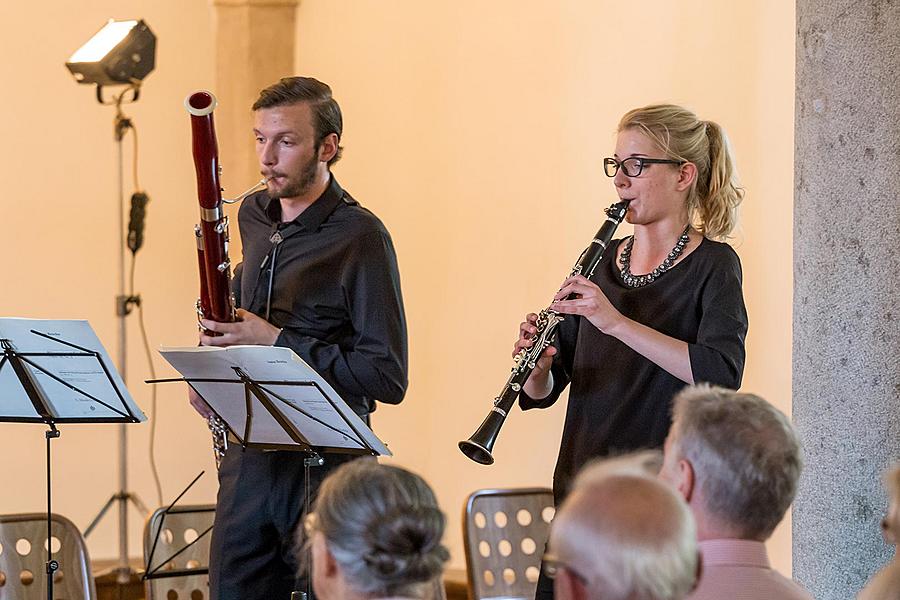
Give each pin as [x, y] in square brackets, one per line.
[335, 291]
[620, 401]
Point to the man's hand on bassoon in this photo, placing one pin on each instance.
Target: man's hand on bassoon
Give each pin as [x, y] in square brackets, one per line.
[248, 329]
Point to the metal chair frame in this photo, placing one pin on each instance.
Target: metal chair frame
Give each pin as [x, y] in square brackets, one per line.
[177, 564]
[503, 551]
[23, 574]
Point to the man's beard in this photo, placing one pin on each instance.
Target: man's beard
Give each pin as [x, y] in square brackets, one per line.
[299, 185]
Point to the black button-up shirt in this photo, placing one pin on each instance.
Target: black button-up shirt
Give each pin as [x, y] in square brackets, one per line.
[329, 278]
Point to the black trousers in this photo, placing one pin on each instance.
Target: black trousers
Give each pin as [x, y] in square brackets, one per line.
[254, 553]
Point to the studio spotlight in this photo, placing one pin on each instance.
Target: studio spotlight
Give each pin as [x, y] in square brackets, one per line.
[121, 53]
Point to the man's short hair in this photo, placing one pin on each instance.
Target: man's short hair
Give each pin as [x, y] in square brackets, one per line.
[745, 455]
[626, 534]
[327, 117]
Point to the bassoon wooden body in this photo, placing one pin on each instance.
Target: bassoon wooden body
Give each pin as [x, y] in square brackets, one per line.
[216, 301]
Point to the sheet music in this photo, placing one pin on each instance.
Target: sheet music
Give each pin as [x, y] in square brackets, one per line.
[273, 363]
[82, 372]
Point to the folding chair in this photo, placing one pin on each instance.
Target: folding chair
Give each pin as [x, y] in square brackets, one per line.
[23, 559]
[504, 534]
[178, 558]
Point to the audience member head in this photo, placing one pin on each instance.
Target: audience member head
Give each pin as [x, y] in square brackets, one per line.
[622, 535]
[735, 459]
[375, 532]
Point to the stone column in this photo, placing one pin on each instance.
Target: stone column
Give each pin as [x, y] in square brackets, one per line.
[254, 48]
[846, 373]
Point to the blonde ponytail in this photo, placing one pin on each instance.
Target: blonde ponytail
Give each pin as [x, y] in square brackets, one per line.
[715, 195]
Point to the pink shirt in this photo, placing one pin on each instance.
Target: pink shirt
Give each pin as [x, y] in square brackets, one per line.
[739, 570]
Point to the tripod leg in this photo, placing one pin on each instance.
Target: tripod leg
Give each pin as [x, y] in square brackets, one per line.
[100, 514]
[138, 504]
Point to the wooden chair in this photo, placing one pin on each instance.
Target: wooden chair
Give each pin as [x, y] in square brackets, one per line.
[186, 575]
[23, 558]
[504, 534]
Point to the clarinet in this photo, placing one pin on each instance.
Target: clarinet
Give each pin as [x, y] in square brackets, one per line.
[216, 301]
[479, 446]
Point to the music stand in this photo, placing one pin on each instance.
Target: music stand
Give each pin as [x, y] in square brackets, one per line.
[58, 372]
[269, 398]
[153, 572]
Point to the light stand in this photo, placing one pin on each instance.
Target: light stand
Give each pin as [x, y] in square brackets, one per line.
[121, 53]
[124, 305]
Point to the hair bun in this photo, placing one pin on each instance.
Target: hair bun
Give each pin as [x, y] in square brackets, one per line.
[406, 545]
[383, 526]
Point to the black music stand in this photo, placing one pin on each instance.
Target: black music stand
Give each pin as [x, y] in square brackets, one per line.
[275, 414]
[56, 406]
[153, 572]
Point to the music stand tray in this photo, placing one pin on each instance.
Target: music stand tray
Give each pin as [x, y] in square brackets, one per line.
[57, 370]
[270, 398]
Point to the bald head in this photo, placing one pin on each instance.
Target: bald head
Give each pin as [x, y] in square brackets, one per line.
[623, 535]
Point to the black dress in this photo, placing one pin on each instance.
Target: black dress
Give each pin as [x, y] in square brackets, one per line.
[620, 401]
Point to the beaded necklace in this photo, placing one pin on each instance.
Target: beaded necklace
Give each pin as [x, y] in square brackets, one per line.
[636, 281]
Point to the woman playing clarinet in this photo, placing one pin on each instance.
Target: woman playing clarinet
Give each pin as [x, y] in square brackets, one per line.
[663, 309]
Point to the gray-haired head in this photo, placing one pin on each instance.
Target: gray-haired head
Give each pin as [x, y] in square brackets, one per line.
[383, 526]
[744, 453]
[625, 535]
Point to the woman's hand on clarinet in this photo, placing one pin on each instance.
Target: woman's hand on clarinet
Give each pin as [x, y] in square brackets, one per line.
[589, 302]
[538, 385]
[248, 329]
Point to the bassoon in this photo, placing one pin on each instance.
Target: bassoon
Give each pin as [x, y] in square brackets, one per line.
[216, 300]
[479, 446]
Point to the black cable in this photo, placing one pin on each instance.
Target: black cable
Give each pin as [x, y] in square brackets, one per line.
[139, 201]
[153, 399]
[134, 158]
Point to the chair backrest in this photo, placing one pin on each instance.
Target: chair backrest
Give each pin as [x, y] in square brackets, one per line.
[504, 533]
[180, 551]
[23, 559]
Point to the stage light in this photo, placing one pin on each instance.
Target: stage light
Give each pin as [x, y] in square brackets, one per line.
[121, 53]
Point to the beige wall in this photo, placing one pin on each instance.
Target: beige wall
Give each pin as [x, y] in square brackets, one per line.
[474, 129]
[60, 239]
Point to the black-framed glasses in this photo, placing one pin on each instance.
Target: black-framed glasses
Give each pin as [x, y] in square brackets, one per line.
[551, 565]
[634, 165]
